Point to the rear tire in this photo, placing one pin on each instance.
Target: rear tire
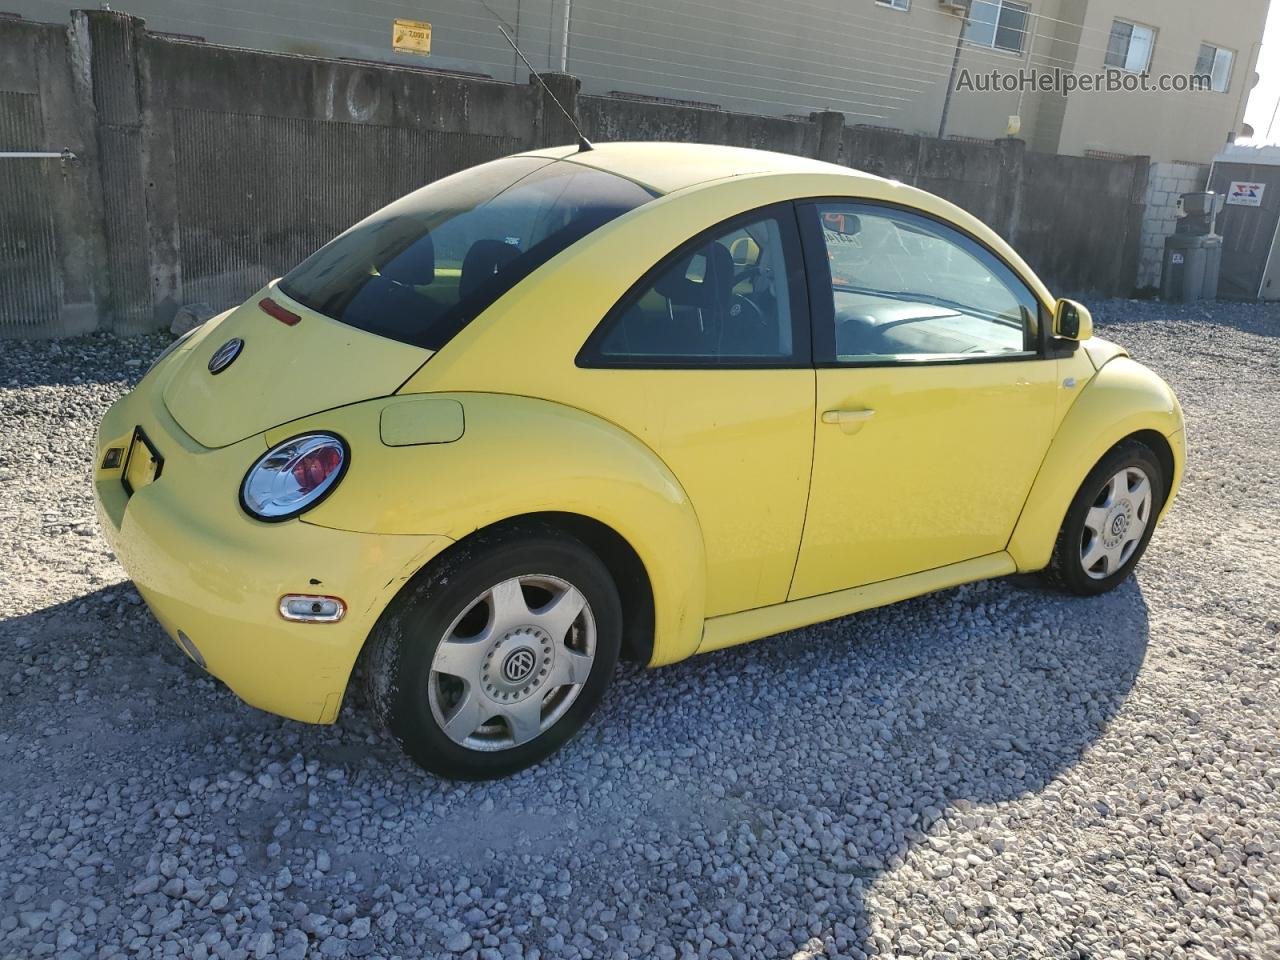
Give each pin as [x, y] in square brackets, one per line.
[496, 655]
[1110, 521]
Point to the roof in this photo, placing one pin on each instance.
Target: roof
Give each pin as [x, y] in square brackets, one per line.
[665, 167]
[1250, 152]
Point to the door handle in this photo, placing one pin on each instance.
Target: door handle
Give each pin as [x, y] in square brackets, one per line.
[850, 421]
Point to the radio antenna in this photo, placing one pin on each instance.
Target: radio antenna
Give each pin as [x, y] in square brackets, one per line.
[583, 143]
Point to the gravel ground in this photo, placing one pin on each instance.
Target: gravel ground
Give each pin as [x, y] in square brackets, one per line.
[995, 771]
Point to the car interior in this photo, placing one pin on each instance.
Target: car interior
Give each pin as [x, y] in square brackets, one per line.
[903, 292]
[727, 298]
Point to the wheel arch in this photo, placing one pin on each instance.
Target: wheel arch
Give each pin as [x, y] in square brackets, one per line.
[520, 458]
[635, 589]
[1124, 401]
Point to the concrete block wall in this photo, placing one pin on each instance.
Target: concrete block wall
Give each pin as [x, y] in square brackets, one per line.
[204, 171]
[1166, 182]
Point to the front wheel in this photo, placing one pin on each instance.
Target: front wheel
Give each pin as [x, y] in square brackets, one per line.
[495, 656]
[1110, 522]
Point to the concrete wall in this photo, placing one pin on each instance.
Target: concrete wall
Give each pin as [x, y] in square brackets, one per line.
[52, 270]
[204, 171]
[873, 62]
[1165, 184]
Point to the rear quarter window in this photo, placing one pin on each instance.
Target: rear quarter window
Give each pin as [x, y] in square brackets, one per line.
[421, 268]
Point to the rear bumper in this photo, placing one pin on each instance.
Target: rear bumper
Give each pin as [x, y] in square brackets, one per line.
[210, 571]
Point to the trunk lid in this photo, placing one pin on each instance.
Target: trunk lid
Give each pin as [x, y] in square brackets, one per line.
[282, 372]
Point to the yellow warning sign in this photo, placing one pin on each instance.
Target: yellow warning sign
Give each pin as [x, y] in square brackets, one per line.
[411, 36]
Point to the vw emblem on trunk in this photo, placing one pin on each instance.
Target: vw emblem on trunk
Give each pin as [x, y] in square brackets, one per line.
[519, 666]
[225, 355]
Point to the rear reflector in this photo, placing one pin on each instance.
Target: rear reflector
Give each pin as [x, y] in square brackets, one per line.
[273, 309]
[312, 609]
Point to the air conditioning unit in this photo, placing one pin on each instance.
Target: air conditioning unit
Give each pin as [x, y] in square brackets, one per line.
[956, 7]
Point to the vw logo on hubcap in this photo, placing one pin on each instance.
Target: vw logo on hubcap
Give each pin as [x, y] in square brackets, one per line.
[225, 355]
[519, 665]
[1119, 524]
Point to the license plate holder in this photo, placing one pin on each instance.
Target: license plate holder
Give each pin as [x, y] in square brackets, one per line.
[142, 464]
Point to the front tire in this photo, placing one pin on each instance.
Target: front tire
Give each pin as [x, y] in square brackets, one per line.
[495, 656]
[1110, 521]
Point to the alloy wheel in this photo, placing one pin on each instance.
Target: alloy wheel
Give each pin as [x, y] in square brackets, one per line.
[1115, 524]
[512, 662]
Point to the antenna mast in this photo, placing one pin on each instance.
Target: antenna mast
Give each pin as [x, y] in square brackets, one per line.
[583, 143]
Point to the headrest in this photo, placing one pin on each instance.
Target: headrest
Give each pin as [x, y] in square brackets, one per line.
[712, 289]
[483, 261]
[745, 252]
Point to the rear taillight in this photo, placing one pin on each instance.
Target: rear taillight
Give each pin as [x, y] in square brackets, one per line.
[273, 309]
[294, 476]
[314, 468]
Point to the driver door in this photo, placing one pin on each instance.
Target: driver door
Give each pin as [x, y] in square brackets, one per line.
[935, 402]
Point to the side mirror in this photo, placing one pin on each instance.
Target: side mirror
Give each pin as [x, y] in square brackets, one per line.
[1072, 321]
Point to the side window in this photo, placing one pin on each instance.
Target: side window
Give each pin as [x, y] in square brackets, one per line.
[907, 288]
[731, 297]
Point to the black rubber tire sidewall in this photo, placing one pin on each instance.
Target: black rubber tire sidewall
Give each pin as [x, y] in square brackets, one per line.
[1066, 568]
[406, 637]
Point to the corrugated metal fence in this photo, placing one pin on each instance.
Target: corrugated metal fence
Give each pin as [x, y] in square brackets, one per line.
[30, 275]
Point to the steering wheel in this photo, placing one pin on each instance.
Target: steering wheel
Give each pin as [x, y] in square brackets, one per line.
[743, 309]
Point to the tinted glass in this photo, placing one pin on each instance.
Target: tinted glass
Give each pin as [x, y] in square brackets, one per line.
[1118, 43]
[726, 298]
[420, 269]
[909, 288]
[1013, 26]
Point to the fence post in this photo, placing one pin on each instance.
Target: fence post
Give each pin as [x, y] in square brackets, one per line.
[1131, 258]
[830, 126]
[1008, 188]
[553, 129]
[126, 300]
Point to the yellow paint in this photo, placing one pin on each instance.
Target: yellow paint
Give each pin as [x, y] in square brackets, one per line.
[415, 420]
[519, 456]
[931, 477]
[275, 379]
[962, 471]
[1122, 399]
[751, 625]
[411, 36]
[206, 568]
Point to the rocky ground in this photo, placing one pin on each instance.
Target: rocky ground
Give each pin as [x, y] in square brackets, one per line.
[995, 771]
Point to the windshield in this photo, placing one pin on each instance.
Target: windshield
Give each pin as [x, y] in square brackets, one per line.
[420, 269]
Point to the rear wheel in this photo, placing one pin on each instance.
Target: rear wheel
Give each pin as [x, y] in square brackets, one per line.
[1110, 522]
[497, 655]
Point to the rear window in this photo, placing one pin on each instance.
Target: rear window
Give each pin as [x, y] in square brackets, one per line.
[420, 269]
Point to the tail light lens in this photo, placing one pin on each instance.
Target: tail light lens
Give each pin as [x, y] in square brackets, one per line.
[294, 476]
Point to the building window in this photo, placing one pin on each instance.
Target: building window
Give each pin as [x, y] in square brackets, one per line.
[1000, 24]
[1130, 46]
[1216, 63]
[903, 5]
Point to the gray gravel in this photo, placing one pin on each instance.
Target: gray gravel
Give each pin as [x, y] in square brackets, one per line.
[995, 771]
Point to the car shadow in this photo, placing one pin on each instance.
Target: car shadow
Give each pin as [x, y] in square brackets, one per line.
[751, 796]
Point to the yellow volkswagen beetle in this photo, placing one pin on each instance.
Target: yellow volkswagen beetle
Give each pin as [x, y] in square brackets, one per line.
[641, 401]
